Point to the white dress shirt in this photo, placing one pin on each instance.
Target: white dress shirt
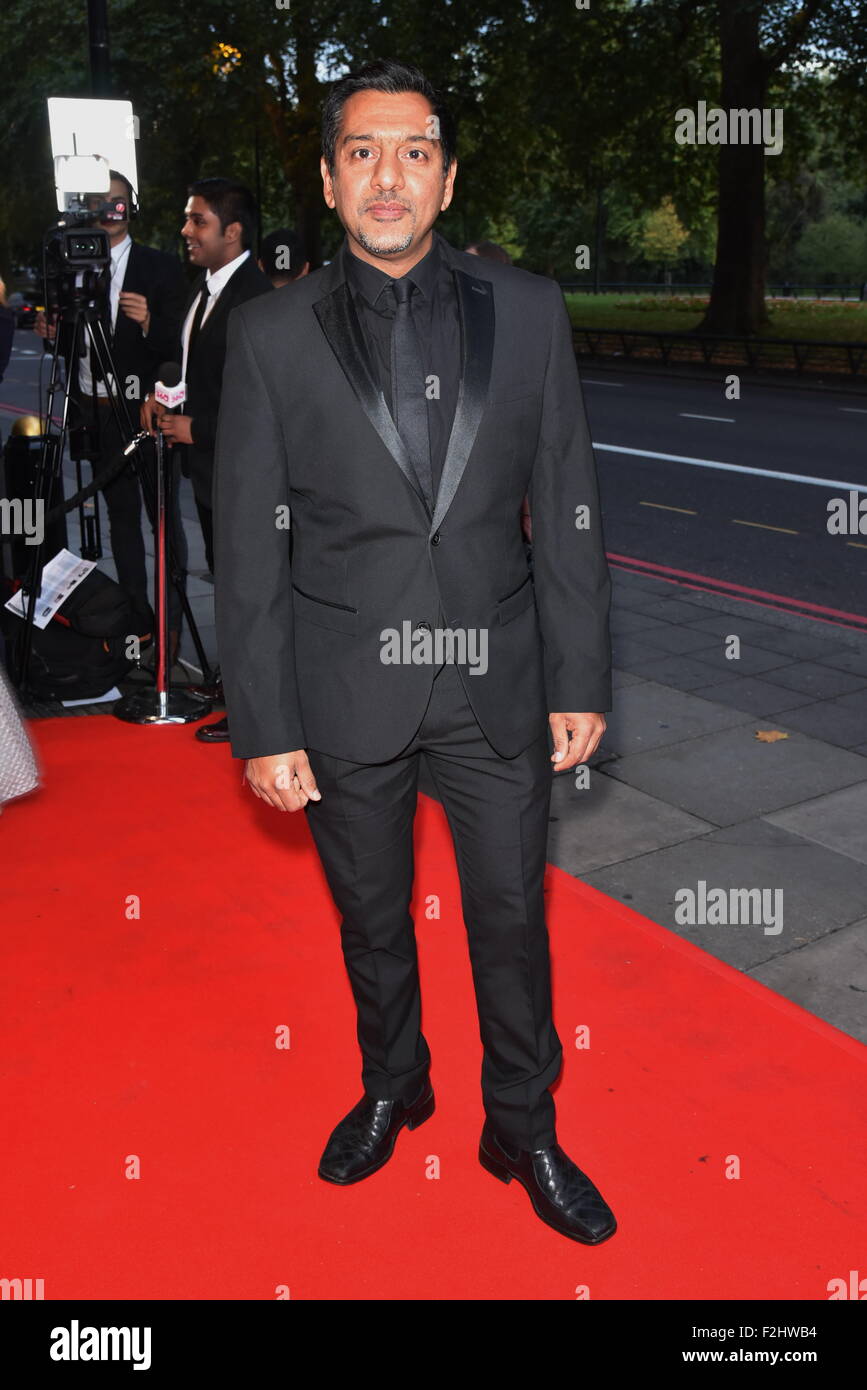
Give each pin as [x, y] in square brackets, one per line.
[215, 282]
[117, 265]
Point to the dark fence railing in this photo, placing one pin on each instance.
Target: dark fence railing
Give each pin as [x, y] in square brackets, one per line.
[718, 349]
[784, 291]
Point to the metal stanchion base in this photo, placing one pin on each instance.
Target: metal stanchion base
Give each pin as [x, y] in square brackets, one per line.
[161, 707]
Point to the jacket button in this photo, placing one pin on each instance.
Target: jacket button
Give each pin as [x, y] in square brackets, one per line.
[435, 538]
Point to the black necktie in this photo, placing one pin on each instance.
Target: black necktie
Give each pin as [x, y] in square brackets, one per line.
[197, 319]
[408, 386]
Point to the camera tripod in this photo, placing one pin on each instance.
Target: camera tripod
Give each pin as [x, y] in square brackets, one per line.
[159, 704]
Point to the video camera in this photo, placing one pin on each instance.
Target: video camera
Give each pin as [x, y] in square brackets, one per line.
[89, 139]
[75, 265]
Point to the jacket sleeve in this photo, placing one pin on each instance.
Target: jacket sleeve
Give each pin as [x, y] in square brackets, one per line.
[570, 571]
[204, 422]
[204, 430]
[252, 570]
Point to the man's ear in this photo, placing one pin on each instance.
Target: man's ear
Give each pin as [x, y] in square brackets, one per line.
[449, 185]
[327, 183]
[234, 232]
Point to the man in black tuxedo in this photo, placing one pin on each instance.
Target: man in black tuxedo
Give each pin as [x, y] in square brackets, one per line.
[219, 229]
[146, 290]
[396, 406]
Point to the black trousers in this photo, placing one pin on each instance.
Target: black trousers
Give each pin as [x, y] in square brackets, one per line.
[497, 810]
[206, 521]
[123, 500]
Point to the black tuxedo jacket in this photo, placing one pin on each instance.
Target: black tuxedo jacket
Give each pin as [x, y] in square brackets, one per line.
[205, 369]
[160, 278]
[300, 629]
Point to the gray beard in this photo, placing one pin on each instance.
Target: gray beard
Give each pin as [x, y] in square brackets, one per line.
[378, 249]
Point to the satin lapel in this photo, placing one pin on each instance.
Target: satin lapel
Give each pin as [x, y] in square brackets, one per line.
[476, 304]
[339, 322]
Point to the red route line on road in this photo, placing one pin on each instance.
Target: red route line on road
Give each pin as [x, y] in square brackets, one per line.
[857, 622]
[22, 410]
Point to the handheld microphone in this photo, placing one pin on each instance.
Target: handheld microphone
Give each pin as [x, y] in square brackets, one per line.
[170, 390]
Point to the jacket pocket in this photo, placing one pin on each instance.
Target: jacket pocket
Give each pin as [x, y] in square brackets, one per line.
[322, 612]
[513, 604]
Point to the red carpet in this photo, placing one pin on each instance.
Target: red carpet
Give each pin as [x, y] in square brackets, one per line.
[154, 1037]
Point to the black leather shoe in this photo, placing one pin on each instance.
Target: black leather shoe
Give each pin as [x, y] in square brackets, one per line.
[213, 692]
[214, 733]
[562, 1196]
[365, 1138]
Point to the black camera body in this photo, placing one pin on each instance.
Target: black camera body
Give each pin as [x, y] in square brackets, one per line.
[69, 252]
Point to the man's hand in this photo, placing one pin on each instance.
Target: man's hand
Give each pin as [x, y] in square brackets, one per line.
[150, 414]
[135, 306]
[526, 521]
[178, 429]
[586, 731]
[43, 327]
[284, 780]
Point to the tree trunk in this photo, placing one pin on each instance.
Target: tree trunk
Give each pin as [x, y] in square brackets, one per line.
[306, 180]
[737, 301]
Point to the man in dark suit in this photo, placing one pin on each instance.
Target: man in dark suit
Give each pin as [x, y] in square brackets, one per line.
[145, 295]
[397, 405]
[219, 229]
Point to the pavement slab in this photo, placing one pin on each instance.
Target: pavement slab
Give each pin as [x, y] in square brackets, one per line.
[820, 889]
[606, 820]
[837, 820]
[729, 775]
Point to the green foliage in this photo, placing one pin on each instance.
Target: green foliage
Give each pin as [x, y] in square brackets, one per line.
[833, 250]
[800, 319]
[663, 234]
[566, 117]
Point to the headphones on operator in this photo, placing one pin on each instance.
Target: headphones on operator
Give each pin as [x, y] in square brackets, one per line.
[122, 209]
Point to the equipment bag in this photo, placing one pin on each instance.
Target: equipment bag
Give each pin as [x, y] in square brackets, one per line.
[81, 653]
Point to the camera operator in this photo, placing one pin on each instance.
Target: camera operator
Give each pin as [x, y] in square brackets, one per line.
[142, 320]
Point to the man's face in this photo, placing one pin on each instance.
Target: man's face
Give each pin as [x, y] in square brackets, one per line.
[208, 246]
[117, 189]
[388, 187]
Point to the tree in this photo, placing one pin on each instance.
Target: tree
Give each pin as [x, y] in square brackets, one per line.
[834, 249]
[737, 300]
[662, 234]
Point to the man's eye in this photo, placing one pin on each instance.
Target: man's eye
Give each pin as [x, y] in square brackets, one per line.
[361, 150]
[416, 150]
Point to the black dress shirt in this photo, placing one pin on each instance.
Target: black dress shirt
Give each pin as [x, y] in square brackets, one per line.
[437, 320]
